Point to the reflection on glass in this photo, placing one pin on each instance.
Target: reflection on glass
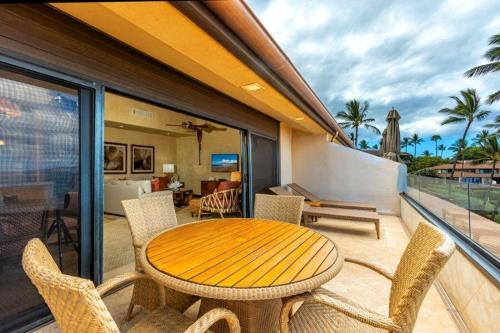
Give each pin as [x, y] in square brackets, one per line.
[39, 184]
[472, 209]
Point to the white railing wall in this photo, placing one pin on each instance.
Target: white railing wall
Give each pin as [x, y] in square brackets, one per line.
[333, 171]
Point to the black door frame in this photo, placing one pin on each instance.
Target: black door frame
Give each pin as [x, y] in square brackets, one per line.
[87, 187]
[276, 141]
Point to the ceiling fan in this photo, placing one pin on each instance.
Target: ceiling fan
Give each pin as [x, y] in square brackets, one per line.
[199, 129]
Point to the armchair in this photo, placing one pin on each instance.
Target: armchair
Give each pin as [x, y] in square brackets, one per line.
[88, 311]
[323, 311]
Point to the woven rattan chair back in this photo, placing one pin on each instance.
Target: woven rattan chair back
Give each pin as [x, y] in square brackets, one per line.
[285, 208]
[148, 216]
[427, 252]
[74, 302]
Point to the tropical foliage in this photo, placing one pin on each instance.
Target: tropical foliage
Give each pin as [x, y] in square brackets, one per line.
[467, 109]
[405, 142]
[493, 56]
[356, 115]
[489, 151]
[423, 162]
[495, 124]
[415, 140]
[363, 144]
[441, 148]
[436, 138]
[426, 153]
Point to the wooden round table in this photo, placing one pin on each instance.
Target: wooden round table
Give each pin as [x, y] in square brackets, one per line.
[245, 265]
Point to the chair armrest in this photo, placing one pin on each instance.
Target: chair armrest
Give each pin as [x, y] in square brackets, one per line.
[365, 316]
[375, 268]
[124, 279]
[213, 316]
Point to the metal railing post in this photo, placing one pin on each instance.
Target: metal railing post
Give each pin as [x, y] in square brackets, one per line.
[468, 208]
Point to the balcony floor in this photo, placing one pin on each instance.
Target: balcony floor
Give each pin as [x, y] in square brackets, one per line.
[359, 284]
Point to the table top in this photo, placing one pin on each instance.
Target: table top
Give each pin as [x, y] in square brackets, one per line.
[241, 255]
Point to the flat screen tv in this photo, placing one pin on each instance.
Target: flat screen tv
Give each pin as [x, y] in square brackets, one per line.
[225, 162]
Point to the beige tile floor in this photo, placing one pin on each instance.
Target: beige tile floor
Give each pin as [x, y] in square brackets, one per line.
[359, 284]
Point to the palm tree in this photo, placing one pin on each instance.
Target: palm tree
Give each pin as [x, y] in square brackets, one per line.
[458, 147]
[493, 56]
[363, 144]
[405, 142]
[356, 115]
[466, 110]
[351, 136]
[427, 153]
[481, 136]
[375, 146]
[441, 148]
[436, 138]
[415, 140]
[490, 151]
[495, 124]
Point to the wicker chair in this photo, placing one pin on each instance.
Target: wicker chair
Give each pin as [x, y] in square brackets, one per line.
[221, 202]
[285, 208]
[323, 311]
[77, 305]
[146, 217]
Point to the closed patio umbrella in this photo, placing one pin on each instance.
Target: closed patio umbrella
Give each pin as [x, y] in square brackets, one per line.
[383, 143]
[392, 142]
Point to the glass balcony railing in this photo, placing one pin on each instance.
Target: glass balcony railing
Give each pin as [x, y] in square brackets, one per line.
[471, 209]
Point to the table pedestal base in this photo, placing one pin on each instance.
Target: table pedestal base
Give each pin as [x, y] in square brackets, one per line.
[254, 316]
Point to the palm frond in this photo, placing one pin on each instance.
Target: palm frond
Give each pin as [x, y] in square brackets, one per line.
[452, 120]
[493, 97]
[372, 128]
[495, 39]
[493, 54]
[482, 114]
[483, 69]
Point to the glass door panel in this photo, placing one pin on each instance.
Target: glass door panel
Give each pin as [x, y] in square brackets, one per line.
[264, 173]
[39, 185]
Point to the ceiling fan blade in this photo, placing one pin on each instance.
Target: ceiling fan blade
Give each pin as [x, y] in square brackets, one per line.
[176, 125]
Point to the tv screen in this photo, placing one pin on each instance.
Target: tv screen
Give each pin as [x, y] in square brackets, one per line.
[224, 162]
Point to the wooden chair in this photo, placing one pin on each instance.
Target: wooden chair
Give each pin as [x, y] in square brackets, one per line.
[146, 217]
[285, 208]
[77, 304]
[324, 311]
[222, 202]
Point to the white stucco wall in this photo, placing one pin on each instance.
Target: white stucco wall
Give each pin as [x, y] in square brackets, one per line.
[336, 172]
[285, 154]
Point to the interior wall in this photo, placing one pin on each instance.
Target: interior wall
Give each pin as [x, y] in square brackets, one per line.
[165, 150]
[336, 172]
[285, 154]
[216, 142]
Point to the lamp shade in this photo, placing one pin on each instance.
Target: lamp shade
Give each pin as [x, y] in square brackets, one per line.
[168, 168]
[236, 176]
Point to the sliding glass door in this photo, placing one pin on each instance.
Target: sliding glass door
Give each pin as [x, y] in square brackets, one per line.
[264, 165]
[40, 185]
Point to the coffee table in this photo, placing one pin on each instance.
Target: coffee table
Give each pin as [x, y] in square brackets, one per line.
[244, 265]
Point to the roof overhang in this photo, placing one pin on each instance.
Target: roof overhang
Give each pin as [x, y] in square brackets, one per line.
[163, 32]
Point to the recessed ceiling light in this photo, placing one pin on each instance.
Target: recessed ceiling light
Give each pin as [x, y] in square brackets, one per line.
[299, 118]
[252, 87]
[121, 126]
[2, 143]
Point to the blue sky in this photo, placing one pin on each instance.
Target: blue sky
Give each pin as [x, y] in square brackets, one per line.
[407, 54]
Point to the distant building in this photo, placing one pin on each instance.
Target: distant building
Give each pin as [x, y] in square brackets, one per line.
[471, 173]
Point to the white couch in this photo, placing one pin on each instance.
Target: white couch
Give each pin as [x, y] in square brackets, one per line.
[117, 190]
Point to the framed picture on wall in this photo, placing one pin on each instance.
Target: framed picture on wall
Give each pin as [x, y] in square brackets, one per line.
[115, 158]
[143, 159]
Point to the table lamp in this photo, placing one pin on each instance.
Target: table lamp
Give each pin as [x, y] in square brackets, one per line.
[168, 170]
